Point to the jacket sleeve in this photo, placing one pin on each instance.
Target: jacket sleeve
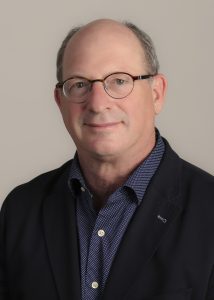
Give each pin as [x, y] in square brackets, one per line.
[210, 290]
[3, 279]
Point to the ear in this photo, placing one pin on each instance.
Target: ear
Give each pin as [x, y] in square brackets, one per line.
[57, 97]
[159, 85]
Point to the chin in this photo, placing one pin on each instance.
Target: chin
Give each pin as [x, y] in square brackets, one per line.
[104, 153]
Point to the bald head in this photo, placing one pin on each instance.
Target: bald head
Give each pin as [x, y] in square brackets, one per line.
[102, 24]
[100, 30]
[107, 32]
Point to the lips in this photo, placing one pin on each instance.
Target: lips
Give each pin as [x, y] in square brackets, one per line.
[102, 125]
[103, 120]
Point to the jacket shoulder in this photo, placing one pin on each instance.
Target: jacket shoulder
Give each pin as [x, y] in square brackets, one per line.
[38, 186]
[195, 174]
[187, 171]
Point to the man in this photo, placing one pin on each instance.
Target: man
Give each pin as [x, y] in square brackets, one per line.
[126, 218]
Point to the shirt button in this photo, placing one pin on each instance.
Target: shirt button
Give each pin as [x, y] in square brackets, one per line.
[82, 189]
[101, 233]
[94, 285]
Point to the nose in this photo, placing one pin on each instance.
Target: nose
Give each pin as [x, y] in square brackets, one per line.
[98, 99]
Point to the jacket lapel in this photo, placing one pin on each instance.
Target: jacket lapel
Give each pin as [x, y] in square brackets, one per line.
[61, 238]
[159, 208]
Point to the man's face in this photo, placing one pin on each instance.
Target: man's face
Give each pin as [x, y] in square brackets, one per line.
[104, 127]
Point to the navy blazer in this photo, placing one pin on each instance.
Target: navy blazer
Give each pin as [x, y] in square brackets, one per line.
[167, 252]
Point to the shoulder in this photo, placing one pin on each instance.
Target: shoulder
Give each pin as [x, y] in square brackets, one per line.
[39, 186]
[190, 171]
[191, 179]
[197, 182]
[193, 172]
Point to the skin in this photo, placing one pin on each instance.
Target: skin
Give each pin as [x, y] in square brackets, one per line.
[112, 136]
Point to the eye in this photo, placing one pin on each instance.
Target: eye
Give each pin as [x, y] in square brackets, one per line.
[119, 81]
[76, 86]
[79, 85]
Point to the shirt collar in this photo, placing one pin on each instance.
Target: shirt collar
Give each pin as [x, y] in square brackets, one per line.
[76, 179]
[139, 180]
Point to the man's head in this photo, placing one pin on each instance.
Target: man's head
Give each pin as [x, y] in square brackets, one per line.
[101, 125]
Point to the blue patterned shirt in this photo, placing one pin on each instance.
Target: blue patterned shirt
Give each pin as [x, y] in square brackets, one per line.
[100, 233]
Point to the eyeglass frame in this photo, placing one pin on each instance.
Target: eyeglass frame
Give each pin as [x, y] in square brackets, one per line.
[59, 85]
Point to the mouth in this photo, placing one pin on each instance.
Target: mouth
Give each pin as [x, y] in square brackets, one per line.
[100, 126]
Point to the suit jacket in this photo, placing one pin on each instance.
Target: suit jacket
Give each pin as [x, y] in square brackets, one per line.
[167, 252]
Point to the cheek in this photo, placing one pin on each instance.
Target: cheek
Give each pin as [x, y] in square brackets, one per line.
[71, 116]
[141, 111]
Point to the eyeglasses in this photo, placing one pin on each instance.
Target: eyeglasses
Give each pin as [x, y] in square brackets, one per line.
[117, 85]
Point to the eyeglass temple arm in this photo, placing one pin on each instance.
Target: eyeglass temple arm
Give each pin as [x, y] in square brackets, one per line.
[141, 77]
[59, 85]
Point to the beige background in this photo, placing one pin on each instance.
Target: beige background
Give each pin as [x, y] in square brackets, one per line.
[33, 138]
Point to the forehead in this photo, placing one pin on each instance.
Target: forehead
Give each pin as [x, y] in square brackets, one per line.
[103, 47]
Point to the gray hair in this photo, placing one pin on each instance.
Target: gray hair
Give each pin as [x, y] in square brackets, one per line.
[145, 41]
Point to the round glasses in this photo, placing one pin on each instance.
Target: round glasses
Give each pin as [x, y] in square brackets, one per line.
[117, 85]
